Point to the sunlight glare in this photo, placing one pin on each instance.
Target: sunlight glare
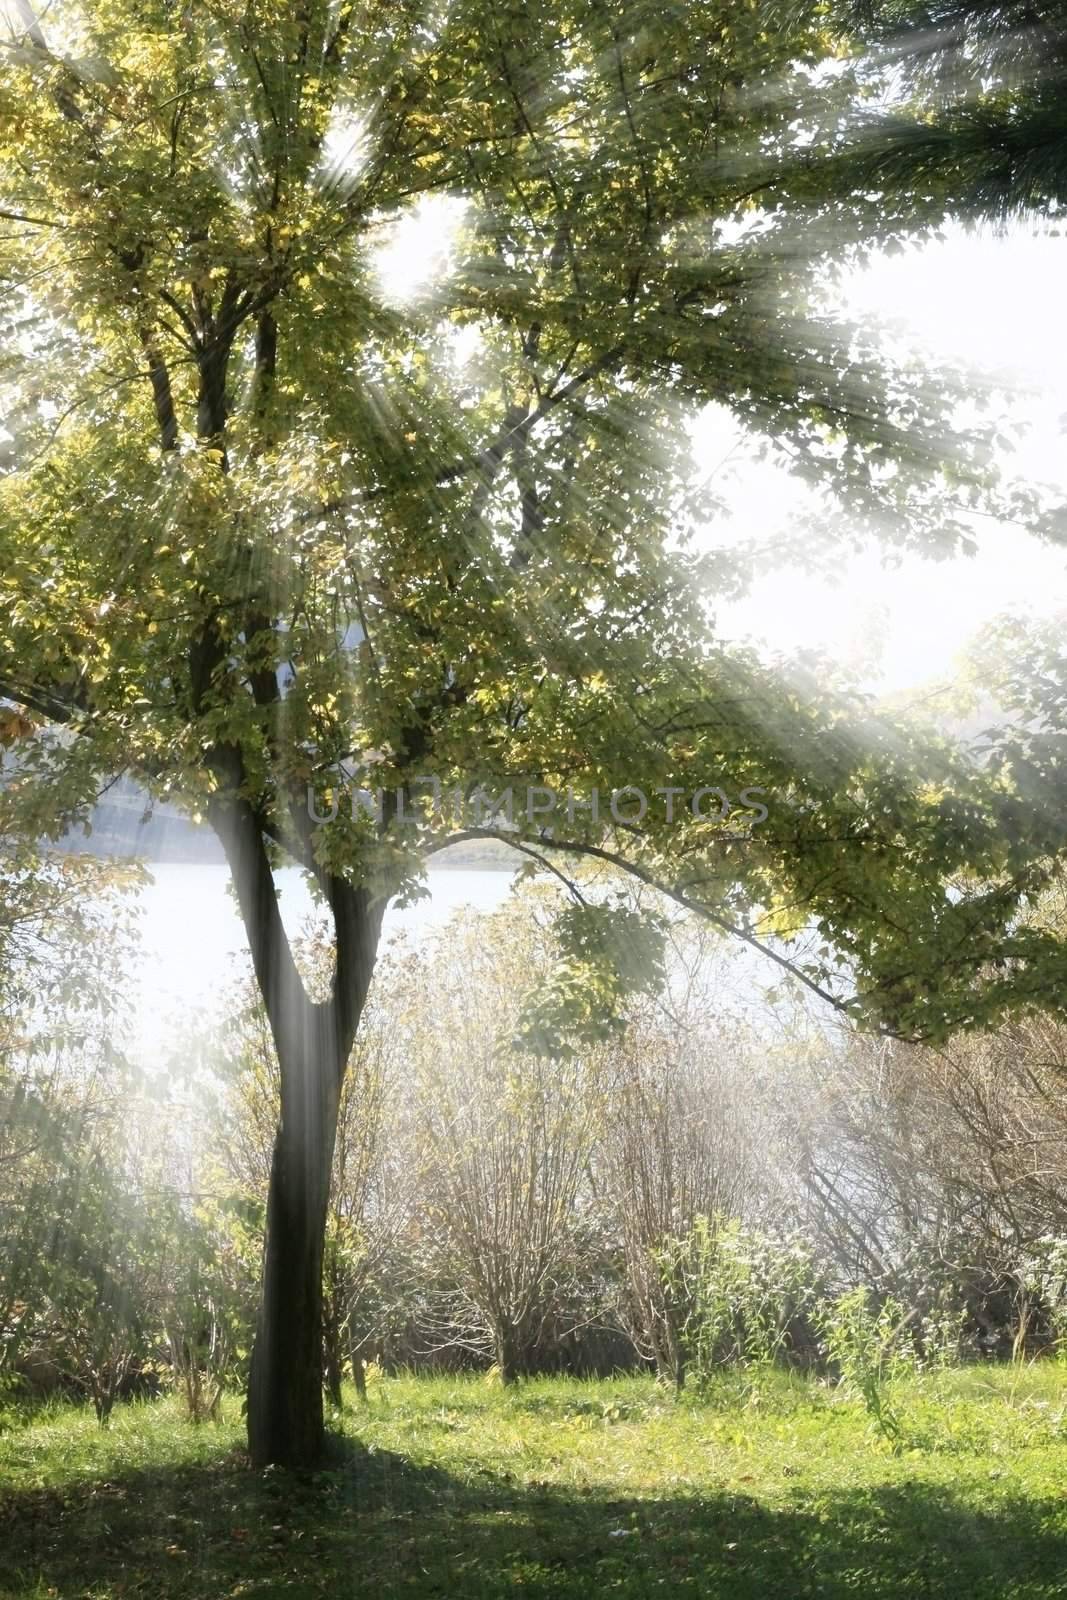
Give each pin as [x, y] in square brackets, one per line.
[420, 249]
[993, 300]
[344, 151]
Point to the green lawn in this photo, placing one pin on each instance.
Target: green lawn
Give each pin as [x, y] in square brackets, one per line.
[454, 1488]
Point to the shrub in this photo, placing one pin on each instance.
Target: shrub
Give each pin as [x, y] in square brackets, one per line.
[745, 1298]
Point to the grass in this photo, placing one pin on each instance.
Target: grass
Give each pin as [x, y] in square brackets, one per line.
[564, 1489]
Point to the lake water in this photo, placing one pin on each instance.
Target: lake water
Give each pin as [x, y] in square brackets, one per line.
[193, 949]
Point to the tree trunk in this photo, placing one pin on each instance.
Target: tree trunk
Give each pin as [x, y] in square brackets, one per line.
[285, 1414]
[508, 1354]
[313, 1041]
[331, 1349]
[359, 1374]
[675, 1356]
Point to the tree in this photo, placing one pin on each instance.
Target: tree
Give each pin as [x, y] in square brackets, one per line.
[207, 1304]
[264, 526]
[992, 75]
[504, 1139]
[934, 1176]
[678, 1142]
[65, 936]
[80, 1251]
[64, 943]
[370, 1186]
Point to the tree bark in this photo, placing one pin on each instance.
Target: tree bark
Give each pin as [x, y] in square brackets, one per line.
[313, 1043]
[508, 1354]
[359, 1374]
[334, 1377]
[285, 1410]
[331, 1340]
[285, 1413]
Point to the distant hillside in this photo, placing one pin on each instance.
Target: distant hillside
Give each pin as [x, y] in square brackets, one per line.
[129, 825]
[487, 855]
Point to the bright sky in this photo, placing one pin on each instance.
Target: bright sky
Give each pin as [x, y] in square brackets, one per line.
[994, 301]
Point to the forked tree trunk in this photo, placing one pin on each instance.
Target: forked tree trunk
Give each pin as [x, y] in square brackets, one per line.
[313, 1042]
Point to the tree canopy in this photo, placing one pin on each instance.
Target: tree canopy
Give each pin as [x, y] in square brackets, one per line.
[264, 520]
[991, 76]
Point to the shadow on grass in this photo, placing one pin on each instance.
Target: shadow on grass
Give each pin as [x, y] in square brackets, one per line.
[376, 1525]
